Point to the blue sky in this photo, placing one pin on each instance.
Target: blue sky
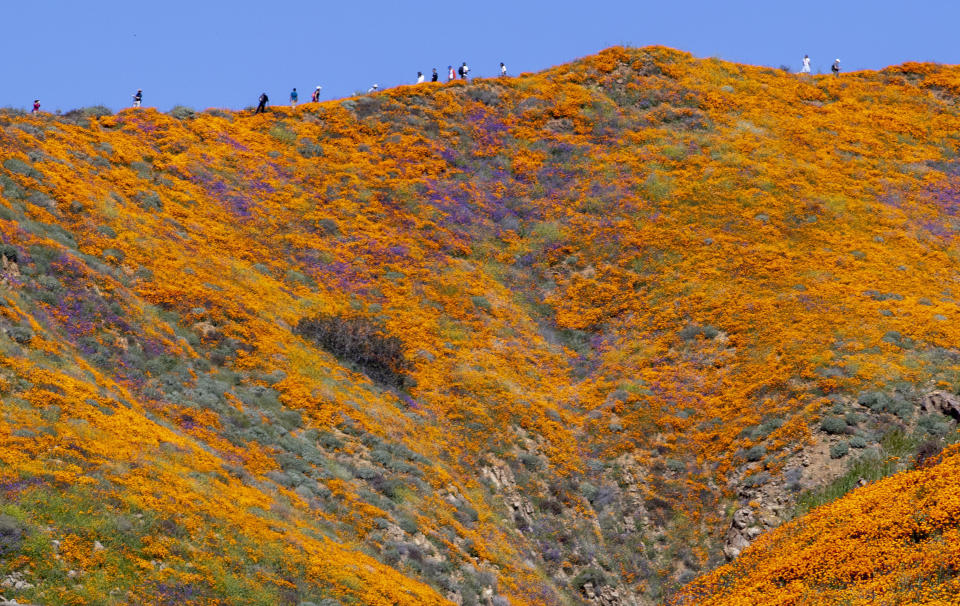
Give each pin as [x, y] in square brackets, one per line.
[205, 53]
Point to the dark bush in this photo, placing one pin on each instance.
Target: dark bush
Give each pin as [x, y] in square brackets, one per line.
[591, 575]
[20, 334]
[363, 342]
[928, 453]
[9, 251]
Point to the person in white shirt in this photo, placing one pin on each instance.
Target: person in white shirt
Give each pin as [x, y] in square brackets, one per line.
[503, 70]
[373, 88]
[451, 75]
[419, 77]
[806, 65]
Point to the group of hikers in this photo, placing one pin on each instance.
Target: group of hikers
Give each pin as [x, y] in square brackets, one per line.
[835, 68]
[463, 71]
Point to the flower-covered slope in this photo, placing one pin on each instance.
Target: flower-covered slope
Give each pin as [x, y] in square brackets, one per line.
[527, 340]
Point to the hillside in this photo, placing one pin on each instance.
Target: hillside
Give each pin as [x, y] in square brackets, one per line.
[573, 337]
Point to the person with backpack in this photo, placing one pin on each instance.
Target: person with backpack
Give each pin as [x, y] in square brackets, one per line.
[503, 70]
[464, 71]
[835, 68]
[293, 97]
[138, 98]
[36, 107]
[806, 65]
[315, 97]
[262, 107]
[419, 77]
[451, 75]
[435, 76]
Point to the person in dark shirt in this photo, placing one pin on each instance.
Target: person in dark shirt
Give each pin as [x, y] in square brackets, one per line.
[262, 107]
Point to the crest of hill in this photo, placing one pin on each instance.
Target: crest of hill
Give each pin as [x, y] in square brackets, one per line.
[528, 340]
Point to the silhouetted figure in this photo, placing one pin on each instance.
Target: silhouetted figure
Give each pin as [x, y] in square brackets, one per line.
[138, 98]
[315, 97]
[835, 68]
[464, 71]
[262, 107]
[293, 97]
[435, 76]
[806, 65]
[36, 106]
[503, 70]
[419, 77]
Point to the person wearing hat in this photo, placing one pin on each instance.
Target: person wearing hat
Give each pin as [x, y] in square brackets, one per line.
[835, 68]
[435, 76]
[373, 88]
[138, 98]
[315, 97]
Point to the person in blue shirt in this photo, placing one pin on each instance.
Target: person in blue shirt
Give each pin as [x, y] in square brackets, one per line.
[293, 97]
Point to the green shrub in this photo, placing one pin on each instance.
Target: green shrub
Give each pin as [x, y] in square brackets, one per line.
[839, 450]
[12, 533]
[692, 331]
[283, 134]
[935, 425]
[858, 442]
[182, 112]
[309, 149]
[676, 465]
[18, 166]
[757, 479]
[756, 453]
[833, 425]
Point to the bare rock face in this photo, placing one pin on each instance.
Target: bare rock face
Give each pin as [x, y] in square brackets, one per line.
[942, 402]
[740, 534]
[607, 596]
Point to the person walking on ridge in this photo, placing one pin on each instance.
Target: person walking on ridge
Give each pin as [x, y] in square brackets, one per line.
[138, 98]
[36, 107]
[464, 71]
[806, 65]
[434, 77]
[315, 97]
[419, 77]
[293, 97]
[451, 75]
[262, 107]
[373, 88]
[503, 70]
[835, 68]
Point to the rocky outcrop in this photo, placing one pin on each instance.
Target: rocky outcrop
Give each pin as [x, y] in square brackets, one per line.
[942, 402]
